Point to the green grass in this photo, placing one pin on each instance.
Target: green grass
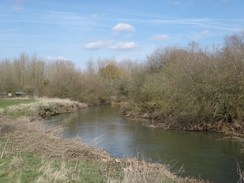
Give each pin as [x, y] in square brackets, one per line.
[18, 166]
[10, 102]
[18, 112]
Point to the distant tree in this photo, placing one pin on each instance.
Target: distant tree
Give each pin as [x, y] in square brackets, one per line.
[109, 73]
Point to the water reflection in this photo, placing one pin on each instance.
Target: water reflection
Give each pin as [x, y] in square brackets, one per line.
[201, 154]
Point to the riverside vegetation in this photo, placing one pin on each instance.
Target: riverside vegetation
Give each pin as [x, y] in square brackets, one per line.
[29, 153]
[189, 88]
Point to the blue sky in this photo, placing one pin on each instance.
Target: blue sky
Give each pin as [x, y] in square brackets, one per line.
[78, 30]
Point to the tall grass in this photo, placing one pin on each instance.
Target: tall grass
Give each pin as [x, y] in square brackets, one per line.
[20, 166]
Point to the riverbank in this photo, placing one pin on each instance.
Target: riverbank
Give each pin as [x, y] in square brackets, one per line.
[235, 128]
[29, 153]
[41, 107]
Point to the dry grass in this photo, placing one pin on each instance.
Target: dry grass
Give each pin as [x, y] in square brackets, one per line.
[49, 173]
[141, 171]
[19, 166]
[241, 173]
[135, 171]
[24, 135]
[31, 137]
[65, 160]
[239, 170]
[43, 107]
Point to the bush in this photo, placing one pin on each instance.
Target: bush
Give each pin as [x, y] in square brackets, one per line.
[202, 85]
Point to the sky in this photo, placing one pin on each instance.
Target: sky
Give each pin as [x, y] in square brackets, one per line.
[81, 30]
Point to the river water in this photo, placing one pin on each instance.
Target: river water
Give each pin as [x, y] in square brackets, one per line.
[201, 154]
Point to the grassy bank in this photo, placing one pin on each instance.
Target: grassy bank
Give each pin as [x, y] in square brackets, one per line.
[21, 166]
[10, 102]
[28, 153]
[40, 107]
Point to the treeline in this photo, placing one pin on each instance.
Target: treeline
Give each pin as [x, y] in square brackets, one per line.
[192, 84]
[103, 81]
[189, 83]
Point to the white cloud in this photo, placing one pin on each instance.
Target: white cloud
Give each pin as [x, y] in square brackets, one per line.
[121, 27]
[110, 44]
[206, 23]
[58, 58]
[160, 37]
[199, 35]
[98, 44]
[97, 15]
[123, 45]
[204, 33]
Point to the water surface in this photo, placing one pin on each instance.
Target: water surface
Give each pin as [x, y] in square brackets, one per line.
[201, 154]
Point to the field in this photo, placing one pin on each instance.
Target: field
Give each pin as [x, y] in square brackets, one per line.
[10, 102]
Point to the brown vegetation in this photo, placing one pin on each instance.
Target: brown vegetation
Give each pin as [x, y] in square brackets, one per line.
[29, 135]
[188, 87]
[35, 77]
[41, 107]
[192, 88]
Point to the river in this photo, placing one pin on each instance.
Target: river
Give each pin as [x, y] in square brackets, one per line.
[196, 154]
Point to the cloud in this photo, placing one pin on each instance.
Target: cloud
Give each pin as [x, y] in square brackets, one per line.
[121, 27]
[204, 33]
[229, 24]
[199, 35]
[160, 37]
[97, 15]
[98, 44]
[123, 45]
[58, 58]
[110, 44]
